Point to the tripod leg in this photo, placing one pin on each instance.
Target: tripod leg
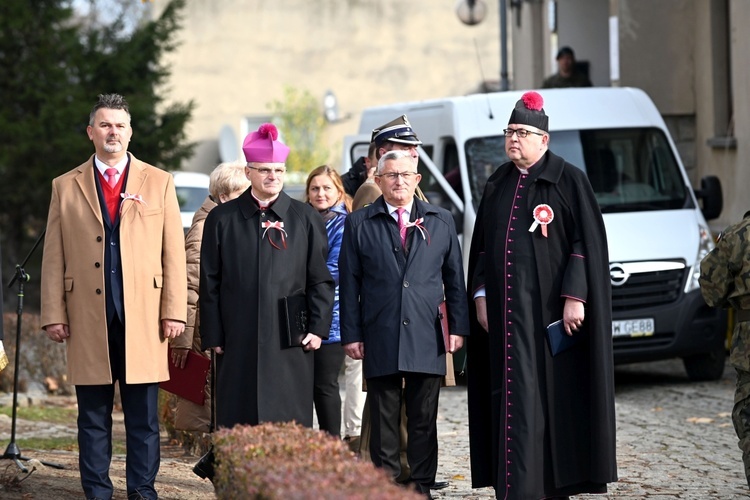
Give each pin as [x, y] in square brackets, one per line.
[13, 453]
[46, 464]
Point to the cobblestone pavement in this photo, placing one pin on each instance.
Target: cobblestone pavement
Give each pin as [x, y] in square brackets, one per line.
[675, 438]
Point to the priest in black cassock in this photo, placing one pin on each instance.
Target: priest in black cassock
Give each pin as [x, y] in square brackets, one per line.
[540, 425]
[257, 249]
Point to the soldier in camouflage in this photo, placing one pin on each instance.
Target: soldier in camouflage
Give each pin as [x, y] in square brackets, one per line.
[725, 282]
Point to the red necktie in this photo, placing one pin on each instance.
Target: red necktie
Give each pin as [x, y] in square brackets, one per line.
[111, 174]
[401, 226]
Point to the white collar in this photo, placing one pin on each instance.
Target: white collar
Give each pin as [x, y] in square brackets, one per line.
[263, 204]
[102, 167]
[407, 208]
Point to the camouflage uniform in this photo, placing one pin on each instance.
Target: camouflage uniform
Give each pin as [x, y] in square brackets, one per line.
[725, 282]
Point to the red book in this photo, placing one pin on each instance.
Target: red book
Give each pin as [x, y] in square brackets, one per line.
[189, 382]
[443, 315]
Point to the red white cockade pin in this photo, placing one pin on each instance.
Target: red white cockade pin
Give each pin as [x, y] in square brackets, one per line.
[278, 226]
[543, 215]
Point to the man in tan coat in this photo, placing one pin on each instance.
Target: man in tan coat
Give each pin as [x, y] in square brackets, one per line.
[114, 289]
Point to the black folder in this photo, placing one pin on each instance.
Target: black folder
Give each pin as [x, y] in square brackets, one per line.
[294, 319]
[560, 341]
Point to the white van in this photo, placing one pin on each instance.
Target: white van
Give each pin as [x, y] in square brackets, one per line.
[656, 229]
[192, 189]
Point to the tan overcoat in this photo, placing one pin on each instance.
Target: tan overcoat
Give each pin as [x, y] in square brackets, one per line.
[152, 253]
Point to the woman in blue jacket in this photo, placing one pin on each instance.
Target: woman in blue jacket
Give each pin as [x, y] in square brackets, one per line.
[325, 192]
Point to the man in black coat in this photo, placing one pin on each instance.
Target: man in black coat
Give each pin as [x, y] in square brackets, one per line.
[540, 425]
[355, 177]
[399, 257]
[256, 250]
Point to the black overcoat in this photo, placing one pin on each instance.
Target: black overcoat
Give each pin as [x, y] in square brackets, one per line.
[245, 270]
[577, 405]
[389, 299]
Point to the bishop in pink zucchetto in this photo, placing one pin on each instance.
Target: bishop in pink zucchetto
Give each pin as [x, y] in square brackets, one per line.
[263, 146]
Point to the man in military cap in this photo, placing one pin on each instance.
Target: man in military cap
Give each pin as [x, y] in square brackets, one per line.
[397, 134]
[724, 283]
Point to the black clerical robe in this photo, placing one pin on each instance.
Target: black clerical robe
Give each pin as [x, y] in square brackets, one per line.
[251, 258]
[540, 425]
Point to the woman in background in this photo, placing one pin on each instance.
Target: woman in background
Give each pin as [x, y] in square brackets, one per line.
[325, 192]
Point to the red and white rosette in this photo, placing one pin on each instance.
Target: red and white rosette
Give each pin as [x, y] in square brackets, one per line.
[136, 198]
[543, 215]
[278, 226]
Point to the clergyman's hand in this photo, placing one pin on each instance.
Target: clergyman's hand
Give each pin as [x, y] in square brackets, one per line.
[311, 342]
[573, 314]
[481, 305]
[57, 332]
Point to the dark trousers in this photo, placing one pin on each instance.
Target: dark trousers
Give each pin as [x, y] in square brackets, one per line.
[140, 409]
[326, 395]
[420, 396]
[364, 442]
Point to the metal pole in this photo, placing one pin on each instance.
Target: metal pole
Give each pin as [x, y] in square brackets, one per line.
[503, 47]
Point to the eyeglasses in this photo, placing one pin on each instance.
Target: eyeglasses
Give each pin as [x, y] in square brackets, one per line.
[392, 176]
[522, 132]
[265, 172]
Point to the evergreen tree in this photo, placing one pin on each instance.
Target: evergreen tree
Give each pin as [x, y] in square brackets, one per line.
[52, 68]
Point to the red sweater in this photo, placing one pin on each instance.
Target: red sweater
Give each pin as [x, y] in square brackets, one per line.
[112, 196]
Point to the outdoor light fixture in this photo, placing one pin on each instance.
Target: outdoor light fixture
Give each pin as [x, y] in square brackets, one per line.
[330, 107]
[471, 12]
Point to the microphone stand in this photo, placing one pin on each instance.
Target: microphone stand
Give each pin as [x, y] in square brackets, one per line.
[12, 452]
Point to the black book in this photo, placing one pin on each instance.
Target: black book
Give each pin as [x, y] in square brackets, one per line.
[293, 319]
[560, 341]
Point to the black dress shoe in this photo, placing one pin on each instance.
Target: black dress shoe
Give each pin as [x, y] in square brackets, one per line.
[439, 485]
[205, 466]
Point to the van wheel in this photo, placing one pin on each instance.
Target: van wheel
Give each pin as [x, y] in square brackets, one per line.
[706, 366]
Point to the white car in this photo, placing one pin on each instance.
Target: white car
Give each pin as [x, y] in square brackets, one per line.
[192, 189]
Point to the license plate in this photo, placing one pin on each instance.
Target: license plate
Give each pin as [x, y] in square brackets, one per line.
[633, 327]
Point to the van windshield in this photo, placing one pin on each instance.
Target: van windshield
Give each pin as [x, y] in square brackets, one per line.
[630, 169]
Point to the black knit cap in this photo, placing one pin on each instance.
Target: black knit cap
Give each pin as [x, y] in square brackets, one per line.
[529, 111]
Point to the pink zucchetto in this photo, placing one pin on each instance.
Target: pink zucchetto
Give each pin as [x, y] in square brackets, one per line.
[263, 146]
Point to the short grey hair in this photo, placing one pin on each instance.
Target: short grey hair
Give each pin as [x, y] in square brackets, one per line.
[395, 154]
[109, 101]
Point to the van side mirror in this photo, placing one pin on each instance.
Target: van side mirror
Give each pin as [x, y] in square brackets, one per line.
[711, 196]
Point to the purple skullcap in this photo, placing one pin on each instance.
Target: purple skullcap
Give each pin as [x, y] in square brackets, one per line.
[262, 146]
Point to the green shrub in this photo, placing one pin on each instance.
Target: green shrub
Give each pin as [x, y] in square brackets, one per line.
[275, 461]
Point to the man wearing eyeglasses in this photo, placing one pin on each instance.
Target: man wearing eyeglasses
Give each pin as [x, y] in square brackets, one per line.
[541, 425]
[398, 256]
[257, 249]
[396, 135]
